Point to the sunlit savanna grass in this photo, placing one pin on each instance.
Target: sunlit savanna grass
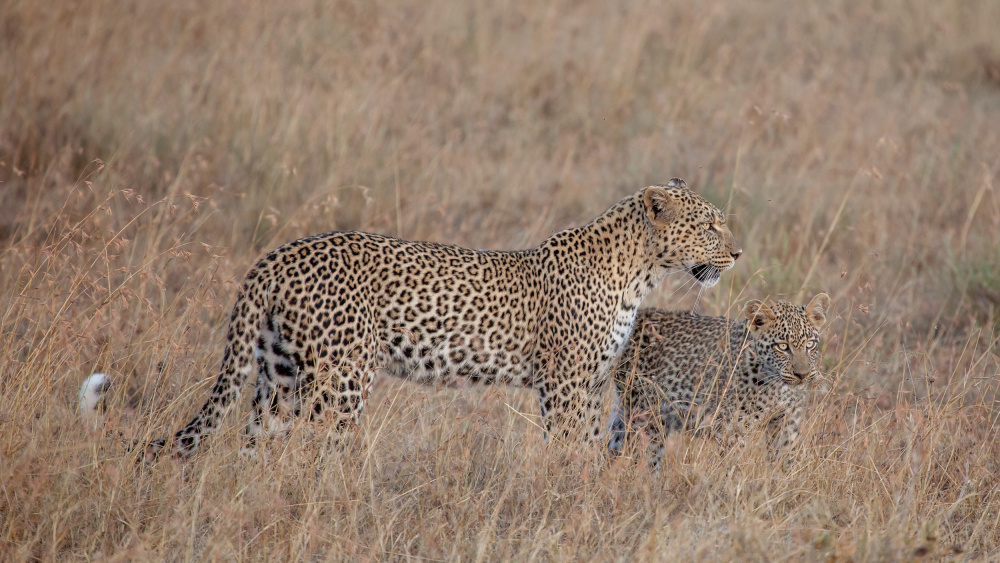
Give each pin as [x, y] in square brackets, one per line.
[151, 151]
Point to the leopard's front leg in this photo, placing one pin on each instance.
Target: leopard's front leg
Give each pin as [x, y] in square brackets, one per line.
[572, 408]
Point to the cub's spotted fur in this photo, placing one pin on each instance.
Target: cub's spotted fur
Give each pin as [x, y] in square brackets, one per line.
[321, 315]
[685, 371]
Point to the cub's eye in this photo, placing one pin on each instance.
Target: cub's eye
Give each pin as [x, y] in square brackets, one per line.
[811, 344]
[706, 226]
[781, 347]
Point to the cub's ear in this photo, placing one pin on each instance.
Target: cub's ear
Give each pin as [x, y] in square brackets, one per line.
[758, 314]
[817, 308]
[660, 206]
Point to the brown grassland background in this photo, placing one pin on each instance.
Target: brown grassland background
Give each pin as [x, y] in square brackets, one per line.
[151, 151]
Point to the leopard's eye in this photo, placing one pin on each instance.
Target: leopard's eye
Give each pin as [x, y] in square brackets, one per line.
[706, 226]
[781, 347]
[811, 344]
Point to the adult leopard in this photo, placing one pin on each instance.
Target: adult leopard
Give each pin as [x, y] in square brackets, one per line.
[322, 314]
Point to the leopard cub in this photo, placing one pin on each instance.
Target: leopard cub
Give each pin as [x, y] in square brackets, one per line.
[691, 372]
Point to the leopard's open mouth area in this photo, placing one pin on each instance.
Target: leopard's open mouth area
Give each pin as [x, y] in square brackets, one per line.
[706, 274]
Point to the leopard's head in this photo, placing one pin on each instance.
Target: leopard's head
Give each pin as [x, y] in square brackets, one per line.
[687, 233]
[785, 337]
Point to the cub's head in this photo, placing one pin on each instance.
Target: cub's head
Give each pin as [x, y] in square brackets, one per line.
[785, 337]
[687, 233]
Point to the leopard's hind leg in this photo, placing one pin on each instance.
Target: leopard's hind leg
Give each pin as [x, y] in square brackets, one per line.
[278, 398]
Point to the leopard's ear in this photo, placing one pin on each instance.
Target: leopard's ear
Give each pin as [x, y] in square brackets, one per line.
[677, 183]
[661, 208]
[759, 315]
[817, 308]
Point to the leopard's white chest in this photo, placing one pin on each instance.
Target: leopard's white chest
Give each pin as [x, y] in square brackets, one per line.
[621, 331]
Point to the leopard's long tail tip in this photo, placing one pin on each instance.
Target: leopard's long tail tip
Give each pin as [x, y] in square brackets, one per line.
[93, 390]
[91, 405]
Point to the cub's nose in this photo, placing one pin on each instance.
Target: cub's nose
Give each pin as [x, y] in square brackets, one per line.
[737, 254]
[800, 376]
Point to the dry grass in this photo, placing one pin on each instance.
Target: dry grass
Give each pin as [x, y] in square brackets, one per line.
[856, 148]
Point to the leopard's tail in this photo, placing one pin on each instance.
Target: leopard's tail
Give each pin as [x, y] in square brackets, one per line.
[90, 397]
[245, 325]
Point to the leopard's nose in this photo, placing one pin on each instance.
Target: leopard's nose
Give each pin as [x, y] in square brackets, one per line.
[737, 254]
